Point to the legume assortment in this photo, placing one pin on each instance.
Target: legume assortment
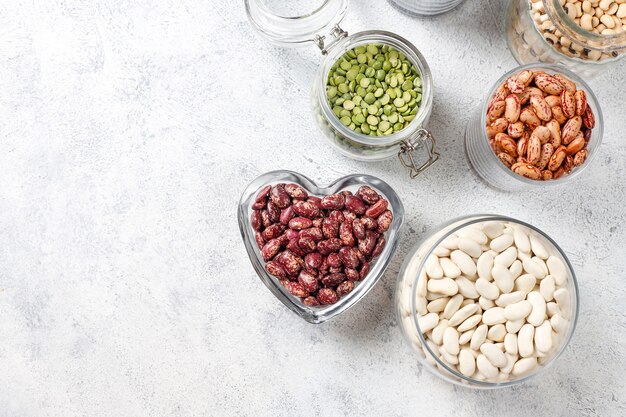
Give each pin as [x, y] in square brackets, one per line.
[539, 124]
[492, 301]
[374, 89]
[319, 247]
[605, 17]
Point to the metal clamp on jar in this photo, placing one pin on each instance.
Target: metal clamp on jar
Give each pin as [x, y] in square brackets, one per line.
[413, 144]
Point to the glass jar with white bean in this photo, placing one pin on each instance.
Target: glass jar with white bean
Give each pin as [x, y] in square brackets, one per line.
[586, 36]
[487, 301]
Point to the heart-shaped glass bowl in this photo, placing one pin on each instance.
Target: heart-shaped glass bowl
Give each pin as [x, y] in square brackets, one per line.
[320, 314]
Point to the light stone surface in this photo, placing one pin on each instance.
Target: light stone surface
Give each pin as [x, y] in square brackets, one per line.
[128, 130]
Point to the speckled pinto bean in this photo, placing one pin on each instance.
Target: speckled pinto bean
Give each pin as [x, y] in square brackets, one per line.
[318, 248]
[532, 109]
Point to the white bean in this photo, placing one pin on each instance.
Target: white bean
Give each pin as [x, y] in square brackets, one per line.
[464, 262]
[497, 333]
[470, 323]
[510, 298]
[547, 287]
[533, 268]
[451, 243]
[558, 323]
[557, 269]
[543, 337]
[450, 269]
[446, 286]
[470, 246]
[561, 296]
[485, 303]
[441, 252]
[466, 337]
[552, 308]
[521, 240]
[462, 314]
[503, 278]
[507, 257]
[524, 366]
[466, 288]
[448, 357]
[474, 234]
[451, 340]
[493, 316]
[516, 268]
[538, 247]
[542, 264]
[453, 306]
[433, 269]
[409, 329]
[493, 354]
[487, 289]
[484, 266]
[513, 326]
[525, 340]
[428, 322]
[438, 305]
[538, 313]
[485, 367]
[437, 334]
[467, 363]
[510, 343]
[518, 310]
[493, 229]
[479, 337]
[510, 362]
[501, 243]
[420, 306]
[525, 283]
[422, 283]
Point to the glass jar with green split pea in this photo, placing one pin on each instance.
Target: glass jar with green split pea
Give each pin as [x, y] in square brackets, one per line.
[372, 95]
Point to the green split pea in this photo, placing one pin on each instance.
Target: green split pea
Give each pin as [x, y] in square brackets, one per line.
[374, 89]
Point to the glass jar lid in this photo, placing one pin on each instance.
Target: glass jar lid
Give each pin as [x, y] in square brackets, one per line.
[295, 22]
[606, 43]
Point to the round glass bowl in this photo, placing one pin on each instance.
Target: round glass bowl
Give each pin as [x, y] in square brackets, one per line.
[425, 7]
[378, 266]
[413, 145]
[486, 163]
[541, 30]
[414, 300]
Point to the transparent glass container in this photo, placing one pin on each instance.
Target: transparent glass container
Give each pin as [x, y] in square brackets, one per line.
[414, 145]
[556, 38]
[425, 7]
[378, 266]
[409, 296]
[486, 163]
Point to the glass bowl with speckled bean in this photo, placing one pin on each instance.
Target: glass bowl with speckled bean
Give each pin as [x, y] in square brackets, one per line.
[302, 23]
[462, 314]
[373, 266]
[485, 162]
[586, 39]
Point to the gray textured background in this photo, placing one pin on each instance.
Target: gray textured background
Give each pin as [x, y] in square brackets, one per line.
[128, 130]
